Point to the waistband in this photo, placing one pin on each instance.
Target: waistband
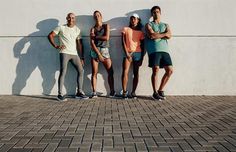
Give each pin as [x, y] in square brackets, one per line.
[102, 49]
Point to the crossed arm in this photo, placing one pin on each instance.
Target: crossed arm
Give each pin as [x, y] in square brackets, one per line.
[156, 35]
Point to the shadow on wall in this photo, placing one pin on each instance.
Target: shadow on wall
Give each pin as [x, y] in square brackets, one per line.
[41, 55]
[85, 22]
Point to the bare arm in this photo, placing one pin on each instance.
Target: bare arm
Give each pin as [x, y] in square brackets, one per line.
[106, 36]
[125, 47]
[124, 44]
[51, 40]
[168, 32]
[92, 35]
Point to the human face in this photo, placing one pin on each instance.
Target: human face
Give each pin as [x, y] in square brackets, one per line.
[70, 19]
[156, 13]
[134, 21]
[97, 17]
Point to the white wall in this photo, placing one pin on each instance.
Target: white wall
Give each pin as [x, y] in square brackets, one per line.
[203, 48]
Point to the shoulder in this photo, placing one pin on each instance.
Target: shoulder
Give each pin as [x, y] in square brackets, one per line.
[164, 24]
[92, 29]
[149, 24]
[77, 28]
[106, 25]
[126, 28]
[60, 27]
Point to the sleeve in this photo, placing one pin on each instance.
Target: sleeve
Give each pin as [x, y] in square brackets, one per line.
[123, 30]
[78, 34]
[57, 30]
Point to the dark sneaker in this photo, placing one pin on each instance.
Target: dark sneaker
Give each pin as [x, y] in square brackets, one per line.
[61, 98]
[133, 95]
[112, 94]
[81, 95]
[156, 96]
[125, 94]
[161, 94]
[94, 95]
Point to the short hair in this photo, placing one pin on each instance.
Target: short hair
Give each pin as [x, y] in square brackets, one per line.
[70, 14]
[155, 7]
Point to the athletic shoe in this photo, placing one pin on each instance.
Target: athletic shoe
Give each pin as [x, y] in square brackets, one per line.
[61, 98]
[125, 94]
[161, 94]
[81, 95]
[94, 95]
[156, 96]
[133, 95]
[112, 94]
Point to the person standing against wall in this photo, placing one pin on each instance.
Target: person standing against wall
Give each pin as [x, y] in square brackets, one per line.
[99, 41]
[157, 48]
[132, 38]
[70, 43]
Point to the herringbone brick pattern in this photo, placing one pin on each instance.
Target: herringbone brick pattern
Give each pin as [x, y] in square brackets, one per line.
[180, 123]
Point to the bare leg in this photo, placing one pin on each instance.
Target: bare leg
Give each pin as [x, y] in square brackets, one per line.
[136, 66]
[108, 66]
[94, 64]
[126, 66]
[154, 78]
[166, 76]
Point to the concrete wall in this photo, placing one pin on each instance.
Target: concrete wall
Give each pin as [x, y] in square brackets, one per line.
[203, 48]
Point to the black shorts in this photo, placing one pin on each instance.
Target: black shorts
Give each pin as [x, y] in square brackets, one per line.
[160, 59]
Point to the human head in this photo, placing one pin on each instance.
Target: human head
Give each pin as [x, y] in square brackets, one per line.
[70, 19]
[156, 12]
[97, 16]
[135, 21]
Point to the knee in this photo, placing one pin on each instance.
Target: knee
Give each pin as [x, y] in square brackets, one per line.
[81, 71]
[94, 75]
[155, 71]
[62, 72]
[136, 73]
[169, 72]
[125, 72]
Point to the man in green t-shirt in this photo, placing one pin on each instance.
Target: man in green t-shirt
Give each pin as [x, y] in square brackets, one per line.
[157, 48]
[70, 40]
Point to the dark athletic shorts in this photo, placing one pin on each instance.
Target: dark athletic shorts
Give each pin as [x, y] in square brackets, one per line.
[160, 59]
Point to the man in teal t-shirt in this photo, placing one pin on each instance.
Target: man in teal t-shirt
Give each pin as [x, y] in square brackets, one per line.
[157, 48]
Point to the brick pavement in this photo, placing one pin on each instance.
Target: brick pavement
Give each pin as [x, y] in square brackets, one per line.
[181, 123]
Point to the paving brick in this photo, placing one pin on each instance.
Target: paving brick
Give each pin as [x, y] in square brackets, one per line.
[181, 123]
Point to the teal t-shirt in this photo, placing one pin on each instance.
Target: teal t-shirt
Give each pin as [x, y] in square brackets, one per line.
[157, 45]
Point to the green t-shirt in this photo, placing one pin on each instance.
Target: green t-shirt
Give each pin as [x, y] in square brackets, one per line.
[68, 36]
[157, 45]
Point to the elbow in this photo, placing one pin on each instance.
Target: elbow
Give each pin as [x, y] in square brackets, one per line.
[107, 38]
[49, 36]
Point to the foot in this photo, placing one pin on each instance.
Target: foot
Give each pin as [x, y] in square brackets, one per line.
[133, 95]
[81, 95]
[94, 95]
[112, 94]
[125, 95]
[161, 94]
[156, 96]
[61, 98]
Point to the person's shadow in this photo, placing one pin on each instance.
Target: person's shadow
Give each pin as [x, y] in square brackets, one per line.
[34, 51]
